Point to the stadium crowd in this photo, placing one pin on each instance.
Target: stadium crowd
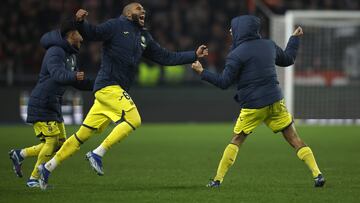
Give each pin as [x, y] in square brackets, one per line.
[175, 24]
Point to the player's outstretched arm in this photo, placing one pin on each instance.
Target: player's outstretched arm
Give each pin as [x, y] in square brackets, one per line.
[90, 32]
[163, 56]
[287, 57]
[223, 80]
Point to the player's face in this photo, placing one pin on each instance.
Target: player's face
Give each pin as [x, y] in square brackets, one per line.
[137, 13]
[76, 39]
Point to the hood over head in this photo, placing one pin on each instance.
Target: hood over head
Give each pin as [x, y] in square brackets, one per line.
[54, 38]
[244, 28]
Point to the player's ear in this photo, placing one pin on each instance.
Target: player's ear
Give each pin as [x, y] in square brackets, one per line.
[74, 35]
[128, 14]
[70, 35]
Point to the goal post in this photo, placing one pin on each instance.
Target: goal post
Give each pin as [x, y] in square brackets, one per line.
[289, 71]
[323, 86]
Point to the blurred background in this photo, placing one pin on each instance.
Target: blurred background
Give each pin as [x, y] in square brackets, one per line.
[325, 87]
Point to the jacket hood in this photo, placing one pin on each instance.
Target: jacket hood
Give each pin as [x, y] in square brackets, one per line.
[244, 28]
[54, 38]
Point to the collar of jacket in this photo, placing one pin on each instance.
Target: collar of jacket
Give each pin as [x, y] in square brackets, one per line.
[70, 48]
[130, 22]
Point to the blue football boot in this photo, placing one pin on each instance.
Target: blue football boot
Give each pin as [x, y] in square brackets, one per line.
[33, 183]
[16, 159]
[213, 183]
[95, 162]
[319, 181]
[44, 176]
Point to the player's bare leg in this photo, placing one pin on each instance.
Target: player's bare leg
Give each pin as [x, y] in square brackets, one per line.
[304, 153]
[228, 159]
[292, 137]
[239, 139]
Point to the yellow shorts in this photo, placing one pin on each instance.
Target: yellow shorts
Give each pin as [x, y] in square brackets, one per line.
[49, 128]
[275, 116]
[112, 103]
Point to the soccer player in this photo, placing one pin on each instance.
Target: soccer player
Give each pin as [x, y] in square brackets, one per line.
[58, 71]
[125, 41]
[251, 66]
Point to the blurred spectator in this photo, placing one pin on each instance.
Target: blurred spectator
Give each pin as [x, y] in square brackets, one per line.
[175, 24]
[280, 6]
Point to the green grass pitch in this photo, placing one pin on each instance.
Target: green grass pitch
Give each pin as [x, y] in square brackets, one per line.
[173, 162]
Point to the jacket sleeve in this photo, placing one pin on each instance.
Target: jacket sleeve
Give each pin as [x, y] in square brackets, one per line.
[101, 32]
[85, 85]
[287, 57]
[56, 66]
[227, 77]
[160, 55]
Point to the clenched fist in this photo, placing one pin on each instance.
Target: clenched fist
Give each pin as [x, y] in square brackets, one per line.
[202, 51]
[197, 67]
[298, 32]
[81, 15]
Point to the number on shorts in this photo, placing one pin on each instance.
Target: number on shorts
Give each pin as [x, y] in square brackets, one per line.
[126, 95]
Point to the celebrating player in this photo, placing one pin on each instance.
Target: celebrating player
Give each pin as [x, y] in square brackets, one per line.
[125, 41]
[58, 71]
[251, 66]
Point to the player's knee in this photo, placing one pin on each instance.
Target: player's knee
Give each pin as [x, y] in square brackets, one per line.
[83, 134]
[135, 121]
[238, 139]
[133, 118]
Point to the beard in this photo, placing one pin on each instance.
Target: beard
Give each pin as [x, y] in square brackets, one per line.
[136, 19]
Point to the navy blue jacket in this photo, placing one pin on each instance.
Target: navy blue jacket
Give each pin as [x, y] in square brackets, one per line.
[124, 43]
[58, 70]
[251, 64]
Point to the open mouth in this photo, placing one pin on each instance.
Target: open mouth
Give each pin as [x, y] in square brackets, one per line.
[142, 18]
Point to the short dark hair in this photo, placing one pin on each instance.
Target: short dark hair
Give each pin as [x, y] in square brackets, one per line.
[67, 26]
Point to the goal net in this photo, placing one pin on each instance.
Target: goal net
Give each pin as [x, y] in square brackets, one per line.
[324, 84]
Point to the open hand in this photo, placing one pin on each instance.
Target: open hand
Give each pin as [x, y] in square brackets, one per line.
[81, 15]
[298, 32]
[202, 51]
[197, 67]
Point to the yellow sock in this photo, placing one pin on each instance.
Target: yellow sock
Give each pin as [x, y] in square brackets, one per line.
[117, 134]
[32, 151]
[227, 160]
[305, 154]
[72, 144]
[45, 154]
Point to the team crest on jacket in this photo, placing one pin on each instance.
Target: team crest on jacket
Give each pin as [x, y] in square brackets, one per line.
[71, 62]
[143, 42]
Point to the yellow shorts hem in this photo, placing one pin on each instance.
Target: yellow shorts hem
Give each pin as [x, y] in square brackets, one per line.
[47, 128]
